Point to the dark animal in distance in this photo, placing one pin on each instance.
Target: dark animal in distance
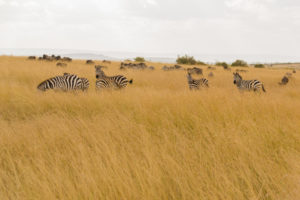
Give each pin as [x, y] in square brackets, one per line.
[211, 68]
[140, 66]
[195, 70]
[60, 64]
[106, 61]
[211, 74]
[90, 62]
[67, 59]
[31, 57]
[284, 81]
[171, 68]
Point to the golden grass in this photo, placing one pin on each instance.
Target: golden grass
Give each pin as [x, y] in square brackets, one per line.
[153, 140]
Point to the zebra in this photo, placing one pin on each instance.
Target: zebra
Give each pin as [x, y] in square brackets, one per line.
[195, 84]
[115, 82]
[249, 85]
[66, 82]
[85, 84]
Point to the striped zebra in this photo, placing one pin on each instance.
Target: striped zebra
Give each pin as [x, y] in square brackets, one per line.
[115, 82]
[67, 82]
[195, 84]
[85, 84]
[249, 85]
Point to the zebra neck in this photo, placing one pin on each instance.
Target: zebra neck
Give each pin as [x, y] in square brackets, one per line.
[239, 83]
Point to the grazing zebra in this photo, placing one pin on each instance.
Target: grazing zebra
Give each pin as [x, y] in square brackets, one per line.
[115, 82]
[195, 84]
[66, 82]
[85, 84]
[254, 85]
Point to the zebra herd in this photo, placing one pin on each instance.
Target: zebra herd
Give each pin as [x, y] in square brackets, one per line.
[242, 85]
[72, 82]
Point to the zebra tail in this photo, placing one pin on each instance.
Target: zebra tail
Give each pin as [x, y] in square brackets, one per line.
[263, 88]
[131, 81]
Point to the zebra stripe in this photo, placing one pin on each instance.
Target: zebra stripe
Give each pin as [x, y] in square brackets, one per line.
[195, 84]
[249, 85]
[85, 84]
[116, 82]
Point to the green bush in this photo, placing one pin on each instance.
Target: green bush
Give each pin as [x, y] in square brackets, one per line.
[223, 64]
[139, 59]
[239, 63]
[187, 60]
[198, 62]
[259, 66]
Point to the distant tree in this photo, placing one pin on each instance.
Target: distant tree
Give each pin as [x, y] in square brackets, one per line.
[259, 66]
[187, 60]
[223, 64]
[239, 63]
[139, 59]
[198, 62]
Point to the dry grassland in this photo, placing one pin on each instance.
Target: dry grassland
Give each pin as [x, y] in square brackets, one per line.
[153, 140]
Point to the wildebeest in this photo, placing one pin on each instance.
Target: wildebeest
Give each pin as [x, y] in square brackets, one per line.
[151, 68]
[133, 66]
[294, 71]
[60, 64]
[241, 70]
[174, 67]
[106, 61]
[31, 57]
[284, 81]
[66, 59]
[195, 70]
[211, 68]
[288, 74]
[211, 74]
[90, 62]
[101, 66]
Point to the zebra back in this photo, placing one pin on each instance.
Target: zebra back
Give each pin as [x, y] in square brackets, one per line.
[116, 82]
[56, 82]
[195, 84]
[254, 85]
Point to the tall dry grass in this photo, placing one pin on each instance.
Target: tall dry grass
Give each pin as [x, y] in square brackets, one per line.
[153, 140]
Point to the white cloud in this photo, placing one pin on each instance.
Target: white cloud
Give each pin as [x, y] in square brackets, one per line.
[191, 26]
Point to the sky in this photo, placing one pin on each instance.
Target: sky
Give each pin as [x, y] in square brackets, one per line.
[169, 27]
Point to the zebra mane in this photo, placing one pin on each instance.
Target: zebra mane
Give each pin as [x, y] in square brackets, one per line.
[99, 70]
[238, 75]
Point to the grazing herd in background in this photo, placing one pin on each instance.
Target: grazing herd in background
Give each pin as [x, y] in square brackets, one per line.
[71, 82]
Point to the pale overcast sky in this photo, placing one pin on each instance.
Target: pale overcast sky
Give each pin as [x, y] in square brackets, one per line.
[156, 26]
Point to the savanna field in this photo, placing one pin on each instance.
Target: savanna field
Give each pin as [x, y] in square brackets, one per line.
[155, 139]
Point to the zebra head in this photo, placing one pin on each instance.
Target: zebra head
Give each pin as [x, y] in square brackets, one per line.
[42, 86]
[189, 76]
[237, 78]
[99, 71]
